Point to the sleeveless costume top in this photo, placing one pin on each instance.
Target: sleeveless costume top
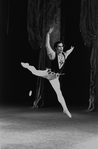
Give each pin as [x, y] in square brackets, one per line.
[55, 65]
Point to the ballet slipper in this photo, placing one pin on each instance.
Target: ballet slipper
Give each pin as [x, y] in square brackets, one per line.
[68, 113]
[25, 65]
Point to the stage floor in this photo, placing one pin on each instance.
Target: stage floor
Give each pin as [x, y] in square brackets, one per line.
[47, 128]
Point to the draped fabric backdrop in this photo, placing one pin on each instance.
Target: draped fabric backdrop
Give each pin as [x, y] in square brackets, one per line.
[89, 32]
[42, 14]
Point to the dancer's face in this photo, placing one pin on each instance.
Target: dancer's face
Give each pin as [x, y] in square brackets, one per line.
[60, 48]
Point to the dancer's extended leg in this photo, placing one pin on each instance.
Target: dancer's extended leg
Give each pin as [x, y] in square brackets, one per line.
[40, 73]
[56, 86]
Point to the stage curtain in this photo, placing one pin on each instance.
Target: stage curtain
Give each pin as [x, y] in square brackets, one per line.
[89, 32]
[42, 14]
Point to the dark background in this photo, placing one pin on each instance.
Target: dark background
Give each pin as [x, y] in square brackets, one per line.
[15, 81]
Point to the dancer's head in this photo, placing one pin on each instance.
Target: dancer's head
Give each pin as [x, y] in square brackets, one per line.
[58, 47]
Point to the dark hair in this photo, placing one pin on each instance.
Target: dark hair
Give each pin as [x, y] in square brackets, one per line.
[56, 44]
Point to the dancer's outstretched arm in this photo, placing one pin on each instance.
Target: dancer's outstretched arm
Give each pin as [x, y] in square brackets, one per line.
[68, 52]
[50, 51]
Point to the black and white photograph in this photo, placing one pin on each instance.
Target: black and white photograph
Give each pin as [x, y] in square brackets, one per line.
[49, 74]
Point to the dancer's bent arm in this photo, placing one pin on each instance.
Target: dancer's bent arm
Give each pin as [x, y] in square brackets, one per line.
[68, 52]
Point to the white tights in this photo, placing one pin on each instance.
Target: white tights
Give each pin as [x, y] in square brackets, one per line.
[54, 82]
[56, 86]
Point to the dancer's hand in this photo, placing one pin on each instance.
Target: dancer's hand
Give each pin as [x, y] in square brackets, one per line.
[51, 30]
[25, 65]
[72, 47]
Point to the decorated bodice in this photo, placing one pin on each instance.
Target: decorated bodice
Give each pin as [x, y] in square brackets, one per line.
[57, 64]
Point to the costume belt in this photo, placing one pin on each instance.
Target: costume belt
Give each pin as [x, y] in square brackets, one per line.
[54, 73]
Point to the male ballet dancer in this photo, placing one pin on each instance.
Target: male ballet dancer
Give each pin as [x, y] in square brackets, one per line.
[57, 57]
